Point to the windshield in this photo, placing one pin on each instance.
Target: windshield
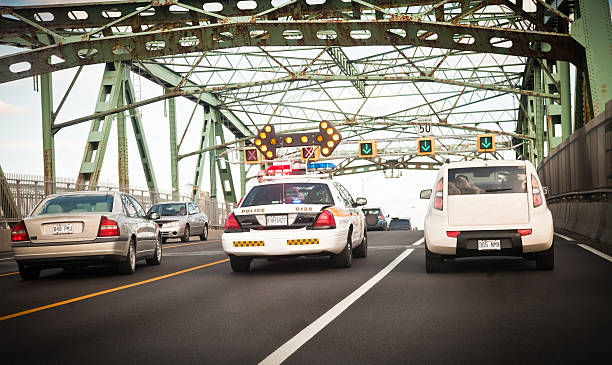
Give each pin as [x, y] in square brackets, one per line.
[487, 180]
[371, 211]
[289, 193]
[177, 209]
[76, 204]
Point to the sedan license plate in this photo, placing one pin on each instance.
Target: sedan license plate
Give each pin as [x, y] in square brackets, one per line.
[62, 228]
[276, 220]
[489, 245]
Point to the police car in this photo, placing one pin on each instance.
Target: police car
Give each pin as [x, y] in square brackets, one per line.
[296, 216]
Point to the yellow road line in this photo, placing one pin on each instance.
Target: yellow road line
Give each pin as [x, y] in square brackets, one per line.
[189, 244]
[38, 309]
[10, 273]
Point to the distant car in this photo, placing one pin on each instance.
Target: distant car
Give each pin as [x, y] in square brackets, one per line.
[488, 208]
[181, 220]
[296, 216]
[84, 228]
[376, 220]
[400, 224]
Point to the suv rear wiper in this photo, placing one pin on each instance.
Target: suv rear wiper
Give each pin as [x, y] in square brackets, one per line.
[496, 190]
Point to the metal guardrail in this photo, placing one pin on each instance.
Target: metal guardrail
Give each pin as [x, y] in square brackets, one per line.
[29, 191]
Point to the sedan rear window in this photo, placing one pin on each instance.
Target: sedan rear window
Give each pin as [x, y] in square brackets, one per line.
[289, 193]
[487, 180]
[76, 204]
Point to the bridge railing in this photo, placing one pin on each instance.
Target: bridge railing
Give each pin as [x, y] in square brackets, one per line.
[578, 175]
[27, 191]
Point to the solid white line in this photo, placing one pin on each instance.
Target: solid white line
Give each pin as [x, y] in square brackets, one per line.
[8, 258]
[288, 348]
[596, 252]
[565, 237]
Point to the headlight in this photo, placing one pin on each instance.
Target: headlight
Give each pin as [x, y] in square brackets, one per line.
[172, 224]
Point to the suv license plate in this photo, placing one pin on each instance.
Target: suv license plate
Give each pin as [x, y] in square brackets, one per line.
[62, 228]
[489, 245]
[276, 220]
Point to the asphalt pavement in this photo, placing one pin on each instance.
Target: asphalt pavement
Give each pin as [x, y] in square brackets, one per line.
[383, 310]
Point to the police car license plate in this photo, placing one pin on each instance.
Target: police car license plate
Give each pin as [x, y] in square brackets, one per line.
[489, 245]
[62, 228]
[276, 220]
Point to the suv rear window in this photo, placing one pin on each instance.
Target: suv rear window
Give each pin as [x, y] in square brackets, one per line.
[76, 204]
[487, 180]
[288, 193]
[371, 211]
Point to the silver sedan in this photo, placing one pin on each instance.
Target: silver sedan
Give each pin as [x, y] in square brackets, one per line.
[181, 220]
[84, 228]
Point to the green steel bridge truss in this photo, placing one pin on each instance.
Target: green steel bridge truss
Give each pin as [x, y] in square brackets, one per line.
[380, 69]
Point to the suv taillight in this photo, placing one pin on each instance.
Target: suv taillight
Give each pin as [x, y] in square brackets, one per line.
[19, 233]
[536, 192]
[325, 220]
[108, 228]
[439, 194]
[231, 224]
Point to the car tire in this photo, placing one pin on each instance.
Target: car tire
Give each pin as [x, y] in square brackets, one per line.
[157, 255]
[28, 273]
[185, 236]
[240, 264]
[204, 235]
[545, 260]
[433, 262]
[361, 251]
[128, 266]
[345, 258]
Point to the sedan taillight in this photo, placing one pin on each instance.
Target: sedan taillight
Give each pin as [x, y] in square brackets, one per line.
[108, 228]
[19, 233]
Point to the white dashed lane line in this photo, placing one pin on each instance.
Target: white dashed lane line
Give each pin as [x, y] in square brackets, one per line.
[288, 348]
[569, 239]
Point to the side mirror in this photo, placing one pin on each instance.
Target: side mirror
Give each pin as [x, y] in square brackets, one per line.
[154, 216]
[361, 201]
[425, 194]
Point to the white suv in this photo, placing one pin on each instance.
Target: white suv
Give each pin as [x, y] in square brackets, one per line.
[487, 208]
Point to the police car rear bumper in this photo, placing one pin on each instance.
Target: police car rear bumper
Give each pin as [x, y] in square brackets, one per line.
[284, 242]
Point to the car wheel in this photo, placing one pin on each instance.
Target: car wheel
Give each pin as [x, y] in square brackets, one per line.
[28, 273]
[362, 250]
[545, 260]
[128, 266]
[157, 255]
[240, 264]
[204, 235]
[185, 237]
[344, 258]
[433, 262]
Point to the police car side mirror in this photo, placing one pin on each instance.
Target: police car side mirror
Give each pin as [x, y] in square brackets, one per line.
[425, 194]
[361, 201]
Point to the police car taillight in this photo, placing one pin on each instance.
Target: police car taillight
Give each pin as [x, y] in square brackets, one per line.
[439, 194]
[325, 220]
[231, 224]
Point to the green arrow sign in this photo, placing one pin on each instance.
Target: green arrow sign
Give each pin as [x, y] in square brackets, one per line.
[485, 142]
[366, 148]
[425, 146]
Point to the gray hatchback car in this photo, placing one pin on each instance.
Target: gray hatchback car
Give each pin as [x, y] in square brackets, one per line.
[181, 220]
[85, 228]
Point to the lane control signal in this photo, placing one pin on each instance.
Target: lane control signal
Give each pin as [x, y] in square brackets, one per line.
[486, 143]
[251, 156]
[426, 146]
[367, 149]
[310, 153]
[327, 139]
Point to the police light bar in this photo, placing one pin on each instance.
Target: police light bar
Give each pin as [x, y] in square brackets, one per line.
[321, 165]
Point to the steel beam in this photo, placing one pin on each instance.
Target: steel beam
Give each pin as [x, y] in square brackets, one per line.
[559, 47]
[207, 129]
[173, 149]
[46, 101]
[122, 149]
[347, 67]
[593, 29]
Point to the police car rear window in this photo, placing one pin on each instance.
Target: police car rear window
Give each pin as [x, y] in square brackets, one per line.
[288, 193]
[487, 180]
